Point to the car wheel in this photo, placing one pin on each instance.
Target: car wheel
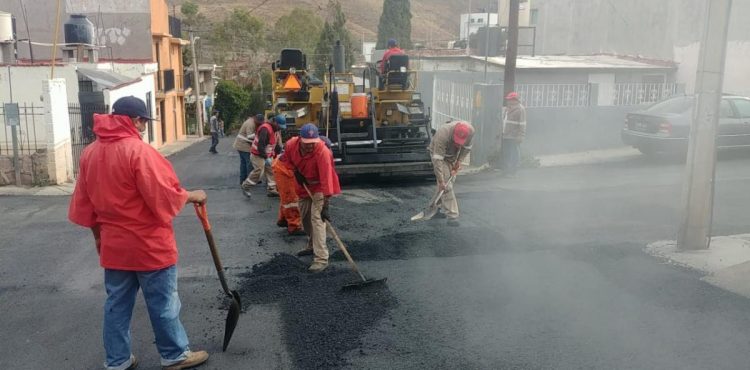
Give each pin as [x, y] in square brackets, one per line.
[647, 151]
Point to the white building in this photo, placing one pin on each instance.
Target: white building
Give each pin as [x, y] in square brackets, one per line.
[471, 23]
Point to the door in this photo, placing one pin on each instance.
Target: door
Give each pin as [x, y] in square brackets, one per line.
[730, 128]
[742, 107]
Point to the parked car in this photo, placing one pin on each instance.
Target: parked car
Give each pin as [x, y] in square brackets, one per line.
[665, 126]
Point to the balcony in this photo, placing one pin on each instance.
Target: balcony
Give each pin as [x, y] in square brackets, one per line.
[168, 81]
[175, 27]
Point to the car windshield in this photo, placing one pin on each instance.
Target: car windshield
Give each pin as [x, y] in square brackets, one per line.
[679, 104]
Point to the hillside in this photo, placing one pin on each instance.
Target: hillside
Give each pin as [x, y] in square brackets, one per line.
[432, 20]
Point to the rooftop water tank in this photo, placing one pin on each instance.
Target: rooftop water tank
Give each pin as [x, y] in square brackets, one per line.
[6, 27]
[79, 30]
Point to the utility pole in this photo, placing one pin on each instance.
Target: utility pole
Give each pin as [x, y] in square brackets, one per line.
[700, 170]
[468, 30]
[511, 51]
[487, 42]
[196, 88]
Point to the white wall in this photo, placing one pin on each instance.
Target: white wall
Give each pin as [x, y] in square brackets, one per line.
[736, 70]
[133, 70]
[475, 26]
[26, 82]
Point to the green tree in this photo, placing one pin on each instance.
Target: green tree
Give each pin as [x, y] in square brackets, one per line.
[232, 102]
[299, 29]
[192, 18]
[395, 23]
[333, 31]
[238, 36]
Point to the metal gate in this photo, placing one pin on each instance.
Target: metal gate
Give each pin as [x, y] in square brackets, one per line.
[82, 128]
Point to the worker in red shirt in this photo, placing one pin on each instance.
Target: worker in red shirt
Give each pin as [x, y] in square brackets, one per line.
[128, 194]
[313, 169]
[393, 49]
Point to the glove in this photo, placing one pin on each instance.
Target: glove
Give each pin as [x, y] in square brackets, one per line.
[324, 213]
[300, 179]
[269, 161]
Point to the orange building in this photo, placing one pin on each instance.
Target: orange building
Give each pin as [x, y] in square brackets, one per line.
[170, 94]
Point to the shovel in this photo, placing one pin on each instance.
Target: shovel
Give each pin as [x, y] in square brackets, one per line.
[234, 307]
[432, 208]
[365, 281]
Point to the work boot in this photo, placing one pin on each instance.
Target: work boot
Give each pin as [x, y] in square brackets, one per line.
[193, 359]
[297, 232]
[305, 252]
[317, 267]
[247, 193]
[282, 223]
[273, 194]
[439, 215]
[453, 222]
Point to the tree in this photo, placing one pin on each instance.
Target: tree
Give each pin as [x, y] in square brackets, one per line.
[232, 102]
[237, 37]
[192, 17]
[395, 23]
[299, 29]
[333, 31]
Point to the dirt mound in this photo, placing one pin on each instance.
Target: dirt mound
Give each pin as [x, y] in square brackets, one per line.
[321, 322]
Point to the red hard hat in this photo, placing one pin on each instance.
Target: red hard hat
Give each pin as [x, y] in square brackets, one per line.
[511, 95]
[461, 133]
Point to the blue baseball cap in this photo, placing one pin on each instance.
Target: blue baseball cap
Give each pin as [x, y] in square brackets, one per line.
[309, 133]
[327, 141]
[132, 107]
[281, 121]
[392, 42]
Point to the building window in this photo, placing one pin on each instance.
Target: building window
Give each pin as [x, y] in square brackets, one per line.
[480, 20]
[534, 16]
[473, 20]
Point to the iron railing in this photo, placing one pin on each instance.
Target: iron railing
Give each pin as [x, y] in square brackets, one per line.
[82, 128]
[642, 93]
[555, 95]
[31, 131]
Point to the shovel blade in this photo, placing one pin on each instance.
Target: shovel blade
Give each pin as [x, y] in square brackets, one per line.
[232, 317]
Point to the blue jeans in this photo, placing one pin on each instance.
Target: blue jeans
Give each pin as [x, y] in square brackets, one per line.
[511, 155]
[160, 293]
[214, 141]
[245, 165]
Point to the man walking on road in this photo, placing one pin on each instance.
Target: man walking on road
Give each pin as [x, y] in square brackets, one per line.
[450, 145]
[513, 133]
[128, 194]
[213, 125]
[266, 145]
[313, 168]
[243, 143]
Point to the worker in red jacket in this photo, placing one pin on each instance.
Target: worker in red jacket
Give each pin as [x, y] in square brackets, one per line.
[266, 146]
[393, 49]
[313, 169]
[128, 194]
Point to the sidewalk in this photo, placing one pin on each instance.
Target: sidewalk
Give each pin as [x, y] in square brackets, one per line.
[572, 159]
[67, 188]
[726, 264]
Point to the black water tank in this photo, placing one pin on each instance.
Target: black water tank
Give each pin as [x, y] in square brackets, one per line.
[79, 30]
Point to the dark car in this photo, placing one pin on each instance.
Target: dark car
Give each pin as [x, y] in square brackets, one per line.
[665, 126]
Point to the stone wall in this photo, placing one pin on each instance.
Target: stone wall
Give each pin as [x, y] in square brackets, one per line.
[33, 170]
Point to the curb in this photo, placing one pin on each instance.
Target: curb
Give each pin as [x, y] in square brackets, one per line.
[183, 145]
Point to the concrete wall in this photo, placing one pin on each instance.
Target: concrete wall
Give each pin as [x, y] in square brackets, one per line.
[26, 82]
[665, 29]
[123, 26]
[59, 151]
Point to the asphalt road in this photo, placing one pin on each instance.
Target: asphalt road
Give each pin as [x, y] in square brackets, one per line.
[547, 271]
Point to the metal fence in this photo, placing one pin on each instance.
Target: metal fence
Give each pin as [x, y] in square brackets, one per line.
[642, 93]
[451, 100]
[555, 95]
[82, 128]
[31, 130]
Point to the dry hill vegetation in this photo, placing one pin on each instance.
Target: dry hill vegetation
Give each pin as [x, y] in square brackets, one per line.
[432, 20]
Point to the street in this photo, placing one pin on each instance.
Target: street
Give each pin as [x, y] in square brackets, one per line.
[546, 271]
